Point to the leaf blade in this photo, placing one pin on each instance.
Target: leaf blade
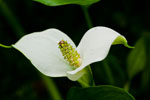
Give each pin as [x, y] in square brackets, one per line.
[137, 59]
[103, 92]
[66, 2]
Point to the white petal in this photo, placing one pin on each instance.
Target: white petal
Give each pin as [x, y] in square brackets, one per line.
[76, 76]
[41, 48]
[95, 45]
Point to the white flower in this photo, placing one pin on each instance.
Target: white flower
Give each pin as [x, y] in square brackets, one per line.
[42, 49]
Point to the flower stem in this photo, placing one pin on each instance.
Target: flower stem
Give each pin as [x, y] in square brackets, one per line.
[5, 46]
[87, 79]
[12, 20]
[108, 73]
[87, 16]
[51, 87]
[127, 86]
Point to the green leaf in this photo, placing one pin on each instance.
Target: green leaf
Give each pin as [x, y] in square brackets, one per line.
[104, 92]
[122, 40]
[137, 59]
[145, 77]
[65, 2]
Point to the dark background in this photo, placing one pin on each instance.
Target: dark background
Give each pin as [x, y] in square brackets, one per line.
[19, 80]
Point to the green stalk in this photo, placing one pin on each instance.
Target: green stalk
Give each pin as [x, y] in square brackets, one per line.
[108, 73]
[12, 20]
[87, 16]
[127, 86]
[87, 79]
[51, 87]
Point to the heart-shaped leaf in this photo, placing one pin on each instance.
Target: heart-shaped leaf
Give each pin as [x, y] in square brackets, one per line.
[104, 92]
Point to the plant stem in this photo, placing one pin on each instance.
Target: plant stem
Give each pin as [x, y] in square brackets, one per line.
[12, 20]
[87, 16]
[87, 79]
[19, 33]
[127, 86]
[51, 87]
[108, 73]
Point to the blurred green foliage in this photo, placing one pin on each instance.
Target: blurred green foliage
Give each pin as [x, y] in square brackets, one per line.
[21, 81]
[135, 66]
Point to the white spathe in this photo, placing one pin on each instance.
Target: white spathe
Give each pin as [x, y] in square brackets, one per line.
[41, 48]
